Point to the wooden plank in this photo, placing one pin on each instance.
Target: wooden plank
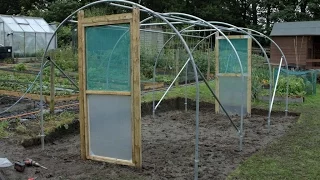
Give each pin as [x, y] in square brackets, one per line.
[249, 86]
[216, 49]
[312, 60]
[151, 85]
[120, 93]
[234, 37]
[136, 91]
[107, 18]
[66, 98]
[122, 21]
[111, 160]
[81, 87]
[231, 74]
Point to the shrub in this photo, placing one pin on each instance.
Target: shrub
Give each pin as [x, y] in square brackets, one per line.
[20, 67]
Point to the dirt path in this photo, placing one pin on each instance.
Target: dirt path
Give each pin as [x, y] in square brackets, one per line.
[168, 149]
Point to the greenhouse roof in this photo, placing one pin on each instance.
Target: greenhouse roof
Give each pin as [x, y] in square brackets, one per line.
[26, 24]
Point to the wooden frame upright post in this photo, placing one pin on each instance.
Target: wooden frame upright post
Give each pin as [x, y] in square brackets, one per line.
[136, 88]
[216, 49]
[81, 90]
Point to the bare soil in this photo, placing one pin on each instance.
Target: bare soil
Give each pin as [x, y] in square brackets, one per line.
[168, 149]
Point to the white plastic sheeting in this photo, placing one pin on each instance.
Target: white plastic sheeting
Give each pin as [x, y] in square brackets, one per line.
[26, 35]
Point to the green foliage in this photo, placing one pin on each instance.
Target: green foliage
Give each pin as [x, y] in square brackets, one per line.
[64, 36]
[20, 67]
[66, 59]
[9, 60]
[201, 59]
[259, 75]
[3, 127]
[296, 86]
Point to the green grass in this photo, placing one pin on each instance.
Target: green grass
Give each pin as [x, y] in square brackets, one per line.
[293, 156]
[54, 121]
[180, 91]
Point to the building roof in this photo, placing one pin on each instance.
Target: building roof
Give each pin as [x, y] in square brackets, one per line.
[300, 28]
[25, 24]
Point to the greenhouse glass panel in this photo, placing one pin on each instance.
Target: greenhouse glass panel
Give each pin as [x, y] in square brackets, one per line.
[30, 44]
[8, 20]
[26, 28]
[1, 34]
[7, 39]
[18, 44]
[20, 20]
[40, 41]
[35, 26]
[44, 25]
[12, 24]
[53, 42]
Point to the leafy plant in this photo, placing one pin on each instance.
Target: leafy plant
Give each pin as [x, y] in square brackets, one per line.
[20, 67]
[296, 86]
[3, 126]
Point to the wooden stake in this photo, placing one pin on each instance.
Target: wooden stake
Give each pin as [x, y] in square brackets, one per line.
[216, 49]
[177, 66]
[52, 90]
[81, 82]
[135, 79]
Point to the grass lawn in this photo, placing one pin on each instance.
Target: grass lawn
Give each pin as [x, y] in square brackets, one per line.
[296, 155]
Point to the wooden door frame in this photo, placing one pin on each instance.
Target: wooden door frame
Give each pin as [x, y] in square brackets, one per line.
[134, 20]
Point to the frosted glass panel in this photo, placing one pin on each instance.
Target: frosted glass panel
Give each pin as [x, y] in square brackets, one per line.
[35, 26]
[40, 41]
[18, 44]
[26, 28]
[20, 20]
[30, 44]
[110, 132]
[1, 34]
[230, 89]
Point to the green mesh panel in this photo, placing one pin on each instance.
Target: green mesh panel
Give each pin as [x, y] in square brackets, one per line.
[309, 78]
[108, 57]
[228, 61]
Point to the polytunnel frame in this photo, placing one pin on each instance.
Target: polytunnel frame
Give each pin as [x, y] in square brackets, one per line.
[203, 22]
[148, 11]
[271, 97]
[160, 16]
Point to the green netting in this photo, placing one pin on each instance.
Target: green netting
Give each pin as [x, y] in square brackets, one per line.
[108, 57]
[309, 78]
[228, 62]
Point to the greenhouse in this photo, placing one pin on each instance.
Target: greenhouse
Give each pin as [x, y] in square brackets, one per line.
[26, 35]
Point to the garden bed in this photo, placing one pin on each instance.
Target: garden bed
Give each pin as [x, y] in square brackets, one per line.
[37, 96]
[167, 142]
[282, 99]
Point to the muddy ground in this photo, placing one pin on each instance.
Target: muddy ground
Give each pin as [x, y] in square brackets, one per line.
[168, 149]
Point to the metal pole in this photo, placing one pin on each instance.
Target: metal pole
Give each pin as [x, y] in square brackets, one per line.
[274, 92]
[172, 83]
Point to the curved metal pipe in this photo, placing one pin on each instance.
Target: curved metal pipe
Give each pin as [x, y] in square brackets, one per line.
[286, 63]
[241, 68]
